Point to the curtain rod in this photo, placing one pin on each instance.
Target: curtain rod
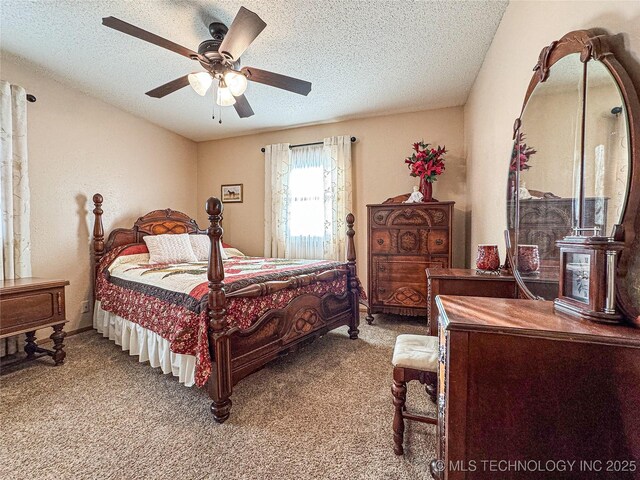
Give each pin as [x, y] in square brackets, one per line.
[353, 139]
[31, 98]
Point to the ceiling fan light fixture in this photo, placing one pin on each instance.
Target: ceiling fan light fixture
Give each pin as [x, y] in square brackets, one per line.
[220, 58]
[236, 82]
[200, 82]
[224, 97]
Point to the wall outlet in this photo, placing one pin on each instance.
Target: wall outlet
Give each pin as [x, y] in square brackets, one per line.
[84, 306]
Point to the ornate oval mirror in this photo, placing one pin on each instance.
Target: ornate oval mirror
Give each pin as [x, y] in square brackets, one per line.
[571, 175]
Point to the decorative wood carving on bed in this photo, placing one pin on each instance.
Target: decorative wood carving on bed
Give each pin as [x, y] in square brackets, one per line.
[237, 353]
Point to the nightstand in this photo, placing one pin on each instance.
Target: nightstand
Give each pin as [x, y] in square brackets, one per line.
[27, 304]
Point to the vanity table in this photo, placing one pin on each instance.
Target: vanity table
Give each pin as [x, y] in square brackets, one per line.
[469, 282]
[518, 381]
[547, 385]
[464, 281]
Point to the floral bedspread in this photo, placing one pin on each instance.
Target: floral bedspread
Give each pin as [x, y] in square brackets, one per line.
[171, 299]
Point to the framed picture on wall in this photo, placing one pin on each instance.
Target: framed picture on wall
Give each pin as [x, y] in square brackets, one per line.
[231, 193]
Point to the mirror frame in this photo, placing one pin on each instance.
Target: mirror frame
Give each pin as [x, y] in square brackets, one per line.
[593, 45]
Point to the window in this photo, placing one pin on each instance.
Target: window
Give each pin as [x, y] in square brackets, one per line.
[307, 197]
[306, 192]
[305, 205]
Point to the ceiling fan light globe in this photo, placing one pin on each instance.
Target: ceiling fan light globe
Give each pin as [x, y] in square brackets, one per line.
[224, 97]
[200, 82]
[236, 82]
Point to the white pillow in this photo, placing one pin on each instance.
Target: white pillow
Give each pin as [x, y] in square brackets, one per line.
[170, 248]
[201, 245]
[233, 252]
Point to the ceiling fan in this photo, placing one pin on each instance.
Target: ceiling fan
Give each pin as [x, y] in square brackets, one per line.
[220, 58]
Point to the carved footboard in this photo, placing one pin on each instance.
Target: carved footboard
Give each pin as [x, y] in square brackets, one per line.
[237, 353]
[283, 331]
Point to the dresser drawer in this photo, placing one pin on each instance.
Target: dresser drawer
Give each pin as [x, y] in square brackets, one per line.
[414, 241]
[19, 312]
[381, 241]
[402, 269]
[438, 241]
[401, 280]
[408, 215]
[400, 241]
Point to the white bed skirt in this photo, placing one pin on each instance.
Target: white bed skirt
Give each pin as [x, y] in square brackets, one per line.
[147, 345]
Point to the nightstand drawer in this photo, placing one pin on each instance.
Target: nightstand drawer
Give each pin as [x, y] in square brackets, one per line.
[35, 308]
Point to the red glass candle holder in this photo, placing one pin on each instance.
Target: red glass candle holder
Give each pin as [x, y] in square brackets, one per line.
[488, 259]
[528, 259]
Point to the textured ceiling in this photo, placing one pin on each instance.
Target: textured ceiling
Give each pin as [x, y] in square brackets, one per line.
[363, 57]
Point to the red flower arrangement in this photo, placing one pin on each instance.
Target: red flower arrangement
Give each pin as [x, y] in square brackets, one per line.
[523, 156]
[426, 163]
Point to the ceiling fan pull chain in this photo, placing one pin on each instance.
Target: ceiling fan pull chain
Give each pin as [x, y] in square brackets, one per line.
[213, 108]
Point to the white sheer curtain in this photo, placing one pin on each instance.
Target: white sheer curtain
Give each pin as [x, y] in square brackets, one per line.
[276, 187]
[307, 197]
[15, 261]
[338, 199]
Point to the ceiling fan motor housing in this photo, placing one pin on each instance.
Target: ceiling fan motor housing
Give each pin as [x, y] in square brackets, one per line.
[209, 48]
[218, 30]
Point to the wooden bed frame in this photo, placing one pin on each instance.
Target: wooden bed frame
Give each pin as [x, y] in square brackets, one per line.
[237, 353]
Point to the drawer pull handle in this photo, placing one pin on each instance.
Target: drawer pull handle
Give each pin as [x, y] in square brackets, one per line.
[59, 297]
[380, 241]
[439, 241]
[382, 290]
[383, 268]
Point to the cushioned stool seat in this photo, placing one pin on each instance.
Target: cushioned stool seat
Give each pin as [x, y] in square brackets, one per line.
[415, 357]
[416, 351]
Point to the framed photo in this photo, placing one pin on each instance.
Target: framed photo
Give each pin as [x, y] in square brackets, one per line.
[231, 193]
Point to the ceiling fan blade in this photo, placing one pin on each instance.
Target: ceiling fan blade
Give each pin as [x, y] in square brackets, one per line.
[169, 87]
[242, 107]
[243, 30]
[291, 84]
[134, 31]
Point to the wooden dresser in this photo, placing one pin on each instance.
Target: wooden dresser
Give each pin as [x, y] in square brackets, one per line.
[518, 382]
[543, 221]
[403, 240]
[28, 304]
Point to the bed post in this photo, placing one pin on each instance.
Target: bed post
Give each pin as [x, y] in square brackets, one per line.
[220, 382]
[98, 233]
[352, 279]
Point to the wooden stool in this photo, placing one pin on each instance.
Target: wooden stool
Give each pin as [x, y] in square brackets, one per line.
[415, 357]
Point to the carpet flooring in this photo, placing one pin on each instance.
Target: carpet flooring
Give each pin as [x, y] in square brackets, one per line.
[322, 412]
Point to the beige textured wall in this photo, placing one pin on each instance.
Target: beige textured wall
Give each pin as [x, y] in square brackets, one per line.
[379, 171]
[78, 146]
[496, 98]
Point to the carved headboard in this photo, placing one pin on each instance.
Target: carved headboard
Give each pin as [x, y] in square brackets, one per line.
[157, 222]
